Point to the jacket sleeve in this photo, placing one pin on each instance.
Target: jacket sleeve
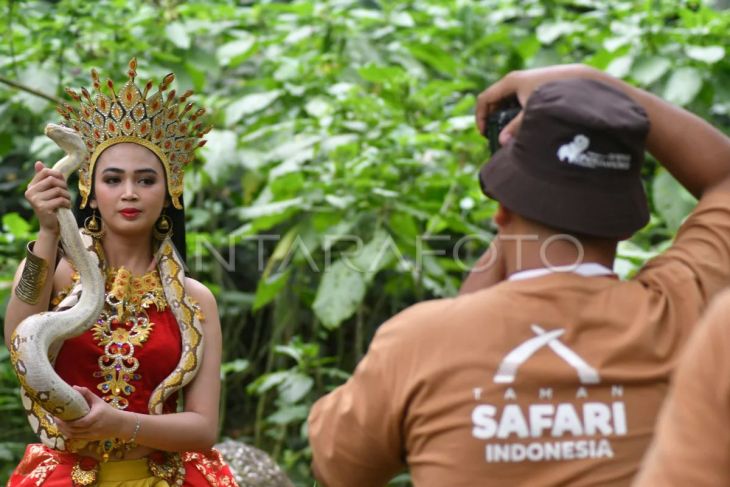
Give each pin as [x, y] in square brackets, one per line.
[701, 249]
[355, 432]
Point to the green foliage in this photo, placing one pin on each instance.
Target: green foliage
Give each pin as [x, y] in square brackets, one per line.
[339, 179]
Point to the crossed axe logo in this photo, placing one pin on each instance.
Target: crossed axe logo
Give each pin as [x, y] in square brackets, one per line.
[508, 367]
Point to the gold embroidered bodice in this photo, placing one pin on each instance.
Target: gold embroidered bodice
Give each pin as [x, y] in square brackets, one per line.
[122, 327]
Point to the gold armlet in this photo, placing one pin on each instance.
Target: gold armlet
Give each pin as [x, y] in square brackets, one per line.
[33, 279]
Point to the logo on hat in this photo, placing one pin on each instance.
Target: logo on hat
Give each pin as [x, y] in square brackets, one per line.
[572, 151]
[576, 152]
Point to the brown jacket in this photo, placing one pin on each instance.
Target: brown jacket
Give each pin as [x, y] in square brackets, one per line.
[550, 380]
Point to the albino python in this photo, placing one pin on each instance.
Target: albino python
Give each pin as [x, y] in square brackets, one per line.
[39, 335]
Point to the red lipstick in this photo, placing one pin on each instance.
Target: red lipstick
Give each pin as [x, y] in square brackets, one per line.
[130, 213]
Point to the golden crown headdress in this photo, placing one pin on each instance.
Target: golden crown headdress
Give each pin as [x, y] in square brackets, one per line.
[155, 122]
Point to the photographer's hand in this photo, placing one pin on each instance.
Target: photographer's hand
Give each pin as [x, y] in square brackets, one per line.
[673, 139]
[521, 84]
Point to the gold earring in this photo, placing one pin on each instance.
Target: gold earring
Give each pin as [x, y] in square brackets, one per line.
[163, 227]
[92, 225]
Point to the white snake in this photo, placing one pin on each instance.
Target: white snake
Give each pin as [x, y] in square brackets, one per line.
[39, 335]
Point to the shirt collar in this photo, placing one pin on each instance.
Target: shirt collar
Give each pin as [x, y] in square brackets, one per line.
[588, 269]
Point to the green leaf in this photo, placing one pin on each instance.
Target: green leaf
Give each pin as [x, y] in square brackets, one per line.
[344, 284]
[16, 225]
[706, 54]
[249, 104]
[166, 57]
[683, 86]
[6, 453]
[546, 56]
[300, 34]
[549, 31]
[620, 66]
[268, 209]
[292, 351]
[340, 292]
[234, 367]
[293, 147]
[402, 19]
[268, 288]
[464, 122]
[382, 74]
[41, 78]
[319, 107]
[219, 153]
[197, 76]
[234, 52]
[648, 69]
[375, 255]
[294, 387]
[671, 200]
[178, 35]
[44, 149]
[289, 414]
[6, 143]
[435, 57]
[267, 381]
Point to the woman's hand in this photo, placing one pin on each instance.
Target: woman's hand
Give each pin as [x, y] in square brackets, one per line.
[521, 84]
[102, 422]
[46, 193]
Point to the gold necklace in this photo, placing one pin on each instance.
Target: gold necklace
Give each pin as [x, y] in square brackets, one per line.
[123, 326]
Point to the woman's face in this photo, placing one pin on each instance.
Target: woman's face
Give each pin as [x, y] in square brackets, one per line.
[129, 188]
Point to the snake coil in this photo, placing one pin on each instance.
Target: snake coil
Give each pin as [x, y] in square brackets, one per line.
[37, 336]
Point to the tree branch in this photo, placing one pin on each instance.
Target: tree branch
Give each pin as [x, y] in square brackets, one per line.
[30, 90]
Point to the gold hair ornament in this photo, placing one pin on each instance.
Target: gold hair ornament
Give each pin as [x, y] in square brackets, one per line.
[155, 122]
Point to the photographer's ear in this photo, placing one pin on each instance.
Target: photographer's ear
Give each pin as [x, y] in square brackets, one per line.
[503, 216]
[510, 130]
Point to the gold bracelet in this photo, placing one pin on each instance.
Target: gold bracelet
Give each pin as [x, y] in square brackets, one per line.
[33, 279]
[136, 429]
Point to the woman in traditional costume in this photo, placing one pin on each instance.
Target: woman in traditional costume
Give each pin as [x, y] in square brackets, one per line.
[159, 332]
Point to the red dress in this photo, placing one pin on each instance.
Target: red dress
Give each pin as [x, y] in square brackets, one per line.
[122, 358]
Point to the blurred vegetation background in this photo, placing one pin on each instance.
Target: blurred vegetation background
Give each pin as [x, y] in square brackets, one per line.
[339, 183]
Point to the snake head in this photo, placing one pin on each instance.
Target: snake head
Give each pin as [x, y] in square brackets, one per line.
[71, 143]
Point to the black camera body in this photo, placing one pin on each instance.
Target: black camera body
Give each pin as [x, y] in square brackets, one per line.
[497, 120]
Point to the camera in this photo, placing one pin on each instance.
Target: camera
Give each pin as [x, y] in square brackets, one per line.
[508, 109]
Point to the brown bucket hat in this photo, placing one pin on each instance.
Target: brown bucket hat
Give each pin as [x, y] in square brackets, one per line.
[575, 163]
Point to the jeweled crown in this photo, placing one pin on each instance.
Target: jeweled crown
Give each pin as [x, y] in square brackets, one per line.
[155, 122]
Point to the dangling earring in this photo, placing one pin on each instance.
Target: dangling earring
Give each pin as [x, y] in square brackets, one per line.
[163, 227]
[92, 225]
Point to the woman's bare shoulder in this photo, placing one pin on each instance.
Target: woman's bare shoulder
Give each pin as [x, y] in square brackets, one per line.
[201, 294]
[63, 278]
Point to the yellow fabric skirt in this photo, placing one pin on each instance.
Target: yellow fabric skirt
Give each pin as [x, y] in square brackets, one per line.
[44, 467]
[128, 473]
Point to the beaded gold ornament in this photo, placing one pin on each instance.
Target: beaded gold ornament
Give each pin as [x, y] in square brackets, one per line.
[155, 122]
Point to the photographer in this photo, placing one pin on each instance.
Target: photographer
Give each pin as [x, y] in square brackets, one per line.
[547, 369]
